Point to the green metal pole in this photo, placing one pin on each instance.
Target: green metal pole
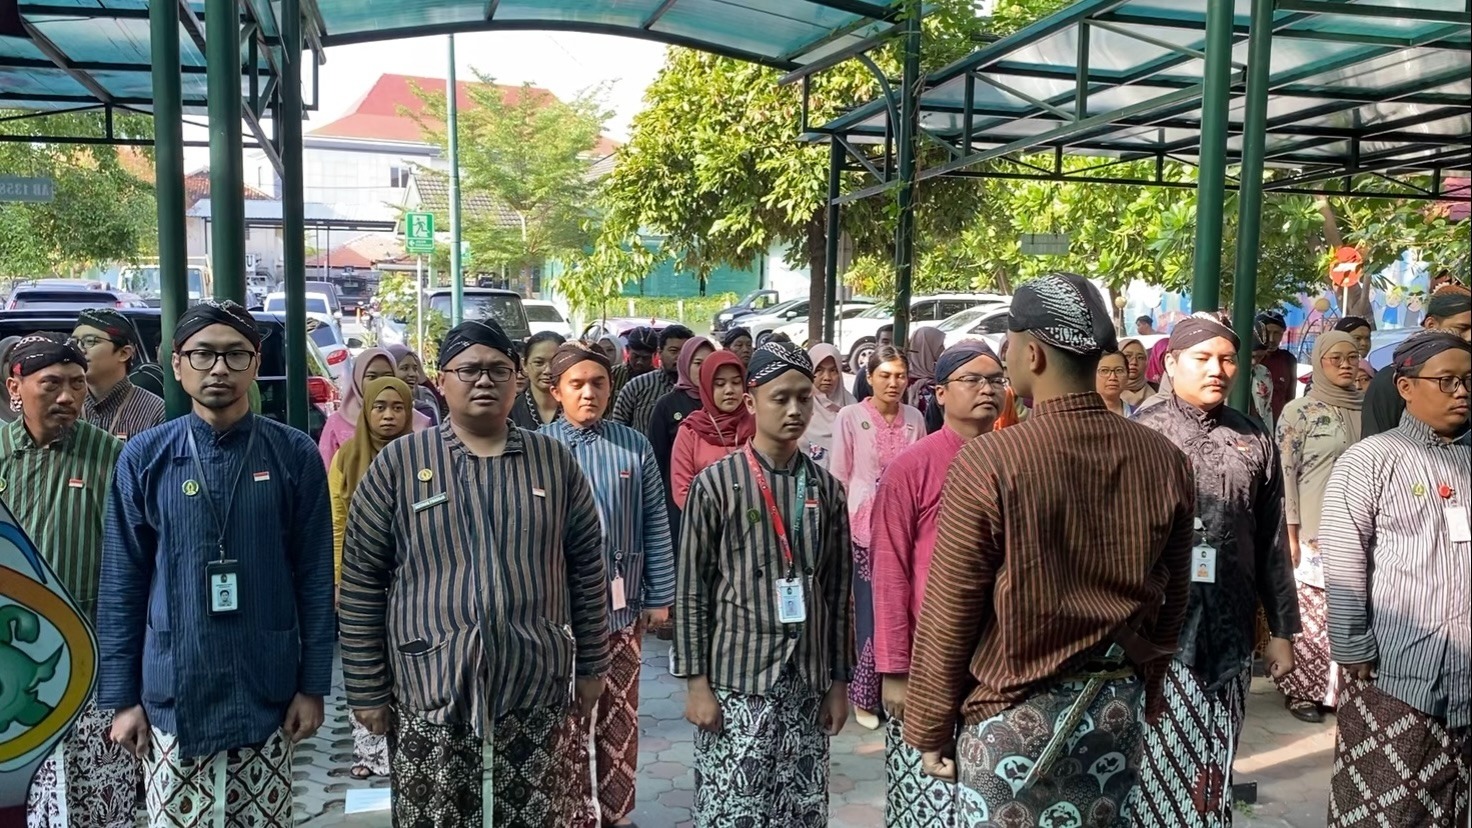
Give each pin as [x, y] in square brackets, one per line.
[830, 257]
[1206, 284]
[452, 129]
[1249, 192]
[227, 165]
[168, 164]
[904, 235]
[293, 212]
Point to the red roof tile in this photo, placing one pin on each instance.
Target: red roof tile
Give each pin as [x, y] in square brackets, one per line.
[197, 188]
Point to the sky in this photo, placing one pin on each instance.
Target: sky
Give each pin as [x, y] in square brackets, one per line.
[564, 63]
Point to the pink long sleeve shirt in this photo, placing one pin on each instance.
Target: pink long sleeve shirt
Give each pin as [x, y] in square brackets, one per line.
[863, 446]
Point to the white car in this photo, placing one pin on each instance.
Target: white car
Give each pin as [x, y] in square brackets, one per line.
[545, 316]
[984, 322]
[857, 336]
[336, 350]
[318, 308]
[798, 331]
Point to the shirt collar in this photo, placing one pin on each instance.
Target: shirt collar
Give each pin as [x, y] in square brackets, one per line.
[18, 438]
[515, 439]
[1421, 433]
[577, 434]
[235, 433]
[766, 463]
[1086, 401]
[1205, 419]
[117, 394]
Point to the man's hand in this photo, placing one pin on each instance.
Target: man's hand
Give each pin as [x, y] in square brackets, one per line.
[896, 688]
[303, 717]
[130, 731]
[834, 712]
[1364, 671]
[376, 719]
[1279, 657]
[939, 763]
[654, 617]
[589, 689]
[701, 707]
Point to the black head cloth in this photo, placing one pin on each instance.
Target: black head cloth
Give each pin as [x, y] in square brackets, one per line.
[1064, 311]
[643, 339]
[118, 327]
[571, 353]
[215, 312]
[774, 359]
[43, 350]
[1420, 347]
[732, 335]
[1272, 318]
[1202, 327]
[1449, 300]
[1351, 323]
[952, 358]
[149, 376]
[471, 332]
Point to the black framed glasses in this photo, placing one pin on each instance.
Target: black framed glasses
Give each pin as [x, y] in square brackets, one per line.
[203, 359]
[978, 381]
[91, 341]
[1113, 372]
[1448, 385]
[470, 374]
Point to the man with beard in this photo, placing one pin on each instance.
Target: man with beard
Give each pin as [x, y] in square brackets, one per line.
[215, 627]
[473, 589]
[635, 402]
[1449, 310]
[54, 475]
[114, 404]
[1241, 559]
[762, 613]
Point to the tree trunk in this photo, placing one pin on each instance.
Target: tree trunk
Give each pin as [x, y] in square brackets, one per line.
[818, 273]
[1358, 303]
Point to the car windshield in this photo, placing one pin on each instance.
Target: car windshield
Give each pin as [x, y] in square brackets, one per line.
[504, 308]
[962, 319]
[878, 312]
[324, 335]
[543, 313]
[276, 303]
[144, 281]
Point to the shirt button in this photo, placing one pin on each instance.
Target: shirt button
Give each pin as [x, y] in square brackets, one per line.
[759, 573]
[808, 570]
[792, 633]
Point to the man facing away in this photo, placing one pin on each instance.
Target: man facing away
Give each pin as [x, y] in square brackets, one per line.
[762, 629]
[637, 553]
[1057, 587]
[1449, 310]
[54, 476]
[473, 587]
[1240, 561]
[215, 621]
[1397, 549]
[635, 402]
[114, 404]
[969, 387]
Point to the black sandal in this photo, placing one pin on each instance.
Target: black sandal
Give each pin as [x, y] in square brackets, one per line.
[1304, 710]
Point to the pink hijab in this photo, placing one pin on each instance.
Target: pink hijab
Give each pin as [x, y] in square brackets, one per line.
[691, 385]
[344, 421]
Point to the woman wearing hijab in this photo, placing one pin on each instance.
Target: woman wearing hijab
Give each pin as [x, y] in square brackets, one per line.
[611, 349]
[1155, 364]
[829, 397]
[410, 369]
[926, 346]
[720, 426]
[536, 407]
[1261, 382]
[1137, 387]
[672, 409]
[1312, 432]
[370, 364]
[1365, 375]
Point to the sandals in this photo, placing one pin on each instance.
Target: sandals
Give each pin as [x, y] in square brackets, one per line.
[1304, 710]
[361, 772]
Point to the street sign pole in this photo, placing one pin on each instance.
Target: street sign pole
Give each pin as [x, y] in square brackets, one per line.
[419, 300]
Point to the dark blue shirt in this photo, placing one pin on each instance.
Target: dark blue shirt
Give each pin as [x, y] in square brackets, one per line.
[216, 681]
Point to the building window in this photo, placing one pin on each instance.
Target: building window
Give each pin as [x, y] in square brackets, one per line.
[398, 177]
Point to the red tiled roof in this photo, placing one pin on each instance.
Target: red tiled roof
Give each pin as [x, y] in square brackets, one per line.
[362, 253]
[197, 188]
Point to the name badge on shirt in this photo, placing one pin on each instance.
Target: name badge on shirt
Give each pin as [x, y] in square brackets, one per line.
[224, 586]
[1457, 528]
[791, 608]
[619, 599]
[1203, 558]
[434, 500]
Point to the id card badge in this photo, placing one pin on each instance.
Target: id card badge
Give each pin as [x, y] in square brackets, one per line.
[224, 586]
[619, 600]
[1203, 559]
[1457, 524]
[791, 608]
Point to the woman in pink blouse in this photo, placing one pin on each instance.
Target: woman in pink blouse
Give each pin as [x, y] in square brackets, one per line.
[720, 426]
[866, 437]
[370, 364]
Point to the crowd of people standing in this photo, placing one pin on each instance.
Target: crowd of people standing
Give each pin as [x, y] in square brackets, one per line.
[1110, 552]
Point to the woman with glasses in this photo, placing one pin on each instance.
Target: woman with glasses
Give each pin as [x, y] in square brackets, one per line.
[1109, 381]
[535, 406]
[1137, 386]
[1313, 431]
[369, 365]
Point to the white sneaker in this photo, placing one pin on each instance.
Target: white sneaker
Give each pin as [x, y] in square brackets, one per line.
[866, 718]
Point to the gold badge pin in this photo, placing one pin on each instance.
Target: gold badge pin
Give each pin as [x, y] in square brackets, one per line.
[1418, 490]
[425, 475]
[679, 416]
[2, 485]
[865, 425]
[753, 516]
[191, 488]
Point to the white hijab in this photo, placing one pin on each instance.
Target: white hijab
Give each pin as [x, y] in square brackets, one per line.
[827, 406]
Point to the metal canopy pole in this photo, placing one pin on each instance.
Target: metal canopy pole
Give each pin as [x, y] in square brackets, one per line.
[1206, 283]
[227, 165]
[168, 149]
[293, 213]
[1249, 191]
[452, 129]
[904, 235]
[830, 257]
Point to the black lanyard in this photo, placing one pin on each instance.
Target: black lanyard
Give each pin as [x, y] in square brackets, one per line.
[221, 523]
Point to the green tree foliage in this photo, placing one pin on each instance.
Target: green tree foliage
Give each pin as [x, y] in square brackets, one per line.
[103, 212]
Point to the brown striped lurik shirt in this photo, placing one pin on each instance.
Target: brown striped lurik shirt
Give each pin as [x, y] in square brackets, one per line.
[471, 585]
[1052, 534]
[726, 625]
[125, 411]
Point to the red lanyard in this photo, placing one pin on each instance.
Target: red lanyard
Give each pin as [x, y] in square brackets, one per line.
[779, 525]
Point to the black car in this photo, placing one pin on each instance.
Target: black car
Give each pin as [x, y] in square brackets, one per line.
[272, 379]
[754, 302]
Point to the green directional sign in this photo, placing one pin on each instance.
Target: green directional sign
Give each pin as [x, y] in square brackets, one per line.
[419, 232]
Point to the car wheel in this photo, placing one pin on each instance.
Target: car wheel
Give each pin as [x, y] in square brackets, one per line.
[761, 338]
[859, 356]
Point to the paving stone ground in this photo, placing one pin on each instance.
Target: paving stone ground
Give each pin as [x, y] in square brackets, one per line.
[1289, 760]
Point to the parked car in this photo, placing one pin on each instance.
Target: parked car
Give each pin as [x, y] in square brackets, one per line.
[355, 290]
[858, 335]
[272, 379]
[504, 306]
[75, 298]
[619, 327]
[762, 325]
[797, 330]
[985, 322]
[319, 307]
[754, 302]
[330, 292]
[336, 350]
[545, 316]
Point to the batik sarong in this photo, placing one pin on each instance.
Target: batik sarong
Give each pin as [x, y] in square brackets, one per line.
[616, 729]
[369, 751]
[87, 782]
[1315, 676]
[1186, 766]
[444, 774]
[1091, 780]
[913, 798]
[1394, 765]
[768, 767]
[863, 690]
[249, 786]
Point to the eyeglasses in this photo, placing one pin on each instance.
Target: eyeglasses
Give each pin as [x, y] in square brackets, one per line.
[89, 342]
[978, 380]
[1448, 385]
[471, 374]
[205, 360]
[1113, 372]
[1339, 360]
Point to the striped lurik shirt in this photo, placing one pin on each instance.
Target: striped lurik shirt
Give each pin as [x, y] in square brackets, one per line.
[726, 625]
[1052, 534]
[1399, 589]
[471, 585]
[620, 466]
[223, 681]
[635, 403]
[58, 494]
[125, 411]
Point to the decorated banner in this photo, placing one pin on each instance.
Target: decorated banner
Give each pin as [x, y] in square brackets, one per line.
[48, 664]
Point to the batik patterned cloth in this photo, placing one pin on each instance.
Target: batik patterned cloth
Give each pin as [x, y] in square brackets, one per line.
[913, 798]
[1394, 765]
[616, 729]
[369, 751]
[443, 774]
[186, 792]
[1186, 767]
[87, 782]
[863, 691]
[1089, 784]
[1315, 676]
[769, 764]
